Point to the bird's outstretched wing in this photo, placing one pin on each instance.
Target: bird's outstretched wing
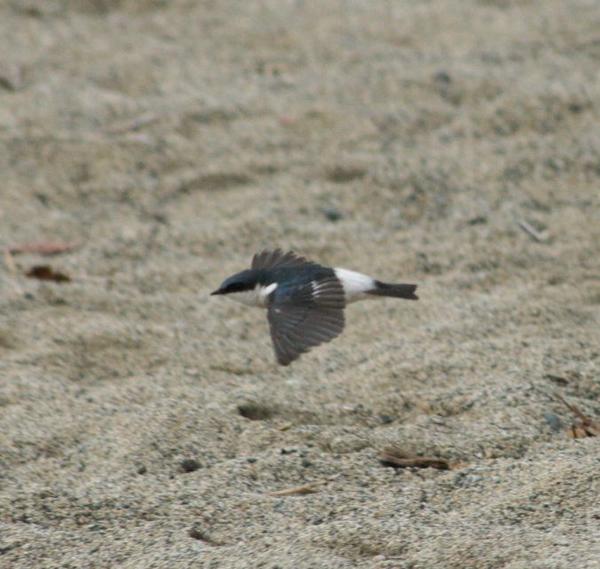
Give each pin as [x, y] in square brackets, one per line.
[278, 259]
[303, 317]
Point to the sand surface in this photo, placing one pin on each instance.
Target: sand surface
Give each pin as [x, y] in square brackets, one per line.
[144, 424]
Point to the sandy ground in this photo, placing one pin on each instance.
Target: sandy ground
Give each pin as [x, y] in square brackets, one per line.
[145, 424]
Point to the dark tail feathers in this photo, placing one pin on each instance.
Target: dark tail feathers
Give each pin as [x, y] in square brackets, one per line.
[395, 290]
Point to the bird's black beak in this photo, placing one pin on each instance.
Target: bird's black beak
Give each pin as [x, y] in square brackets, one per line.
[218, 291]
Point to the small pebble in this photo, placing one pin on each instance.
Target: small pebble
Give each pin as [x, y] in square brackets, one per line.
[190, 465]
[442, 77]
[553, 421]
[478, 220]
[197, 532]
[332, 213]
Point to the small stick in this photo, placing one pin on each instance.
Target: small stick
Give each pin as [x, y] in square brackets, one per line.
[9, 261]
[587, 427]
[574, 409]
[531, 231]
[396, 459]
[416, 462]
[309, 488]
[133, 125]
[42, 248]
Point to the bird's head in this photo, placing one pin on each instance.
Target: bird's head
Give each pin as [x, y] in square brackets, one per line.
[240, 282]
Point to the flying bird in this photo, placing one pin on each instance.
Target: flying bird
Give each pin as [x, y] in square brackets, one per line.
[305, 301]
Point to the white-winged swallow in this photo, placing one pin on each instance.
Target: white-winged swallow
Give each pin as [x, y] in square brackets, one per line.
[305, 301]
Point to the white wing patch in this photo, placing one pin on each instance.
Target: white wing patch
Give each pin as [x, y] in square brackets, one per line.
[356, 285]
[319, 287]
[266, 291]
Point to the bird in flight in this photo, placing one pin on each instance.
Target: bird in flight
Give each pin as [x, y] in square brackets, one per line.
[305, 301]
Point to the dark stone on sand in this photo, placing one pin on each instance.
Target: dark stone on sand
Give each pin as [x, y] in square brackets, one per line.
[478, 220]
[553, 421]
[190, 465]
[332, 214]
[442, 77]
[254, 411]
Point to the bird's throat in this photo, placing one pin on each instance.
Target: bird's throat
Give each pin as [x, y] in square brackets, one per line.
[258, 296]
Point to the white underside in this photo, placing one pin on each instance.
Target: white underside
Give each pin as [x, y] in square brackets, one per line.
[255, 297]
[356, 285]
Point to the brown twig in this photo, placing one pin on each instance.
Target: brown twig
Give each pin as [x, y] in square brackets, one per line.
[309, 488]
[42, 248]
[397, 459]
[585, 427]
